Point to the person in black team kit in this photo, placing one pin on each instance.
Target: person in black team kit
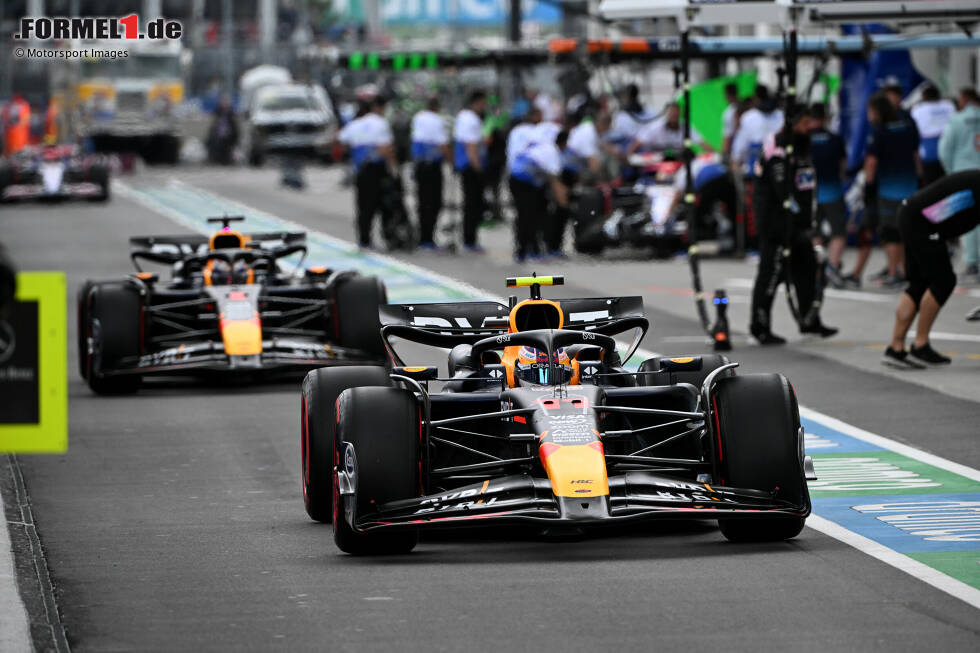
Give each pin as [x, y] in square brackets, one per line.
[941, 211]
[781, 227]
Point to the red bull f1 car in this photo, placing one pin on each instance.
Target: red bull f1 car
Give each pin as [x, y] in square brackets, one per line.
[232, 305]
[539, 423]
[54, 172]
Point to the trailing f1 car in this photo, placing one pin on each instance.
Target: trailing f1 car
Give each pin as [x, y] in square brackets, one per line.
[539, 423]
[54, 172]
[645, 214]
[232, 305]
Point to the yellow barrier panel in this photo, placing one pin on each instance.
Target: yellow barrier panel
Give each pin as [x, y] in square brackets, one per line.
[34, 367]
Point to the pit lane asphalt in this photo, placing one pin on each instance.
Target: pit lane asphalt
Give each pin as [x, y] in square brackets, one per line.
[175, 522]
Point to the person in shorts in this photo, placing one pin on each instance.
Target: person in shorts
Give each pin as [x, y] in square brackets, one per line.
[942, 211]
[892, 161]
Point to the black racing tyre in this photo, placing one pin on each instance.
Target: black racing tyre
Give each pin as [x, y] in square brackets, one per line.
[709, 363]
[113, 324]
[100, 176]
[358, 326]
[318, 421]
[759, 422]
[82, 329]
[6, 179]
[589, 215]
[382, 426]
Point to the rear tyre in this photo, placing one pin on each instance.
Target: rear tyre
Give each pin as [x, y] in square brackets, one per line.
[356, 314]
[696, 377]
[6, 179]
[100, 177]
[589, 237]
[318, 421]
[382, 425]
[759, 421]
[113, 324]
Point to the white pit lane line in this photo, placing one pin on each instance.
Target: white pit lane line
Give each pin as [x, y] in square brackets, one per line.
[922, 572]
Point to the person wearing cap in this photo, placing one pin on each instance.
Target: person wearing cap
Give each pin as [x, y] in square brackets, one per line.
[372, 154]
[430, 148]
[786, 226]
[469, 160]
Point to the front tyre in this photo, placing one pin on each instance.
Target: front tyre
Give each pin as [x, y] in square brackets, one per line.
[759, 422]
[383, 427]
[318, 420]
[113, 325]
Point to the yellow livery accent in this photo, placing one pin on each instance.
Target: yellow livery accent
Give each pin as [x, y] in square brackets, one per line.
[527, 282]
[682, 360]
[575, 470]
[242, 337]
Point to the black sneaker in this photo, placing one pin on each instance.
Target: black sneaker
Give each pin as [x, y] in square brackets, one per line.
[834, 277]
[974, 315]
[766, 337]
[928, 355]
[881, 275]
[900, 360]
[819, 328]
[852, 281]
[894, 283]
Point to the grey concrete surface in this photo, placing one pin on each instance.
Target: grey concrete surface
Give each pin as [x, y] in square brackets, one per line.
[175, 521]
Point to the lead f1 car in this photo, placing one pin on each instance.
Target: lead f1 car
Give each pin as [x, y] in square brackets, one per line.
[539, 423]
[232, 305]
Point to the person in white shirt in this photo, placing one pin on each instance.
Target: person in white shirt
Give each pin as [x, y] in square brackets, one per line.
[583, 146]
[628, 120]
[469, 160]
[430, 147]
[754, 127]
[931, 116]
[521, 135]
[534, 168]
[666, 133]
[372, 153]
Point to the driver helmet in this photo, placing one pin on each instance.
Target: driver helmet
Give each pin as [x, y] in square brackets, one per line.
[531, 367]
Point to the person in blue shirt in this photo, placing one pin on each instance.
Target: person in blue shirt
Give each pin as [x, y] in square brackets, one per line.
[430, 140]
[892, 161]
[829, 161]
[532, 170]
[470, 161]
[372, 153]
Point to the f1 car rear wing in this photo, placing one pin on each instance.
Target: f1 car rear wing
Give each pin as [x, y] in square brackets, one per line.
[451, 324]
[171, 249]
